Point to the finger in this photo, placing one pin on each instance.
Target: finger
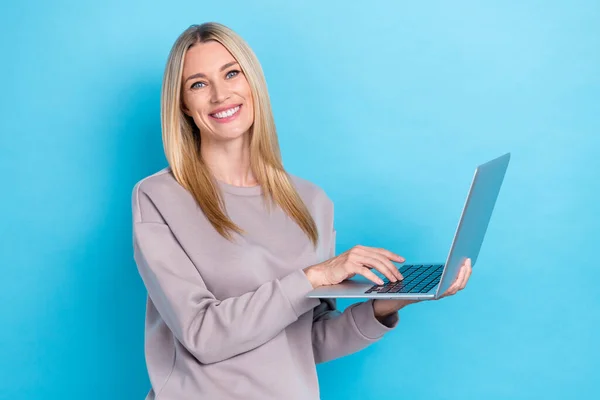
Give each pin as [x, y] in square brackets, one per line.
[376, 264]
[463, 269]
[468, 270]
[388, 264]
[366, 272]
[385, 260]
[363, 257]
[450, 291]
[455, 285]
[386, 253]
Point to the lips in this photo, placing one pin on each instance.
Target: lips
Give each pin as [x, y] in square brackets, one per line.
[223, 111]
[226, 114]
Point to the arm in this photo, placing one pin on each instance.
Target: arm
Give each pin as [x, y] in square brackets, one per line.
[336, 334]
[211, 329]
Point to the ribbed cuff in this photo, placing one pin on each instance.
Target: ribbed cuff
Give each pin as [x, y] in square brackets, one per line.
[295, 287]
[368, 325]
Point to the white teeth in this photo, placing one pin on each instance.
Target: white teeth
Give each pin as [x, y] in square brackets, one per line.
[227, 113]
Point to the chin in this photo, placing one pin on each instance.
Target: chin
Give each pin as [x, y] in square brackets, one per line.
[232, 132]
[232, 135]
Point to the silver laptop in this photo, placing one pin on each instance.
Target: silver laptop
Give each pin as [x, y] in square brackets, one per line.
[431, 280]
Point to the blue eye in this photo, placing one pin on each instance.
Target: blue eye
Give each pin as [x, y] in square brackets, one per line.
[230, 74]
[194, 85]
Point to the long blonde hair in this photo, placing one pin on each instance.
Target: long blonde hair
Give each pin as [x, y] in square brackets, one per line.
[181, 138]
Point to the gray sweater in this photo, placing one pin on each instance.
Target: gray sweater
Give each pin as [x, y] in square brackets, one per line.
[231, 320]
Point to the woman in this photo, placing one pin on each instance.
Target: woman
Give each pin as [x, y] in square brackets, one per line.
[228, 243]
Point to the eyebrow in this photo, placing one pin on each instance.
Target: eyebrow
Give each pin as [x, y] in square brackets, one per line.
[201, 75]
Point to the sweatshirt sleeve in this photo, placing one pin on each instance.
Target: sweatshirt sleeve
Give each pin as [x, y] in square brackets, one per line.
[336, 334]
[213, 330]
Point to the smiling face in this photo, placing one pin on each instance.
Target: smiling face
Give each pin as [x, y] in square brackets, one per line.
[215, 92]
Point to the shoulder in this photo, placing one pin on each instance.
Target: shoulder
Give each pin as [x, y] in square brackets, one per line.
[310, 191]
[151, 190]
[162, 179]
[319, 204]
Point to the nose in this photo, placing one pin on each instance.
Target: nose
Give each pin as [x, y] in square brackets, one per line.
[219, 92]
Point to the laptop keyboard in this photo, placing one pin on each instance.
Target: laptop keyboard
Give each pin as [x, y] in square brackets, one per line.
[417, 279]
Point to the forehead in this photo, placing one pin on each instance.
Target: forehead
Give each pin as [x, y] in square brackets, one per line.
[206, 58]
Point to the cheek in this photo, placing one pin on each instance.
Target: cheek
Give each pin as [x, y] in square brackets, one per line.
[250, 111]
[250, 105]
[244, 89]
[195, 108]
[249, 101]
[188, 103]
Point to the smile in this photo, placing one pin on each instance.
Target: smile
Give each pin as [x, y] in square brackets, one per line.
[226, 115]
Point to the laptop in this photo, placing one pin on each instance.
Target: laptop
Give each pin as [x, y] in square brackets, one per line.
[431, 280]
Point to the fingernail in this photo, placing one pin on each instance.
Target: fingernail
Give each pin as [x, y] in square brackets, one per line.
[380, 281]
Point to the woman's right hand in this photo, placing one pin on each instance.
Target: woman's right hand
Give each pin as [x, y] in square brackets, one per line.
[357, 260]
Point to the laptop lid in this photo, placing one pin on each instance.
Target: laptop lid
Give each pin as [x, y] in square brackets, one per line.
[475, 218]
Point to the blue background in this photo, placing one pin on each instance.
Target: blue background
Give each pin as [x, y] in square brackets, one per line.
[389, 106]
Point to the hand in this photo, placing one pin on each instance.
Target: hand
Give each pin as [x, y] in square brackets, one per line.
[384, 307]
[357, 260]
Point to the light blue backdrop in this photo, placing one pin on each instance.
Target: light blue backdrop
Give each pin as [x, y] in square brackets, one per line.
[388, 106]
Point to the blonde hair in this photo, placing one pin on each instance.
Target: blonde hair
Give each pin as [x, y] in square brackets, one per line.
[181, 138]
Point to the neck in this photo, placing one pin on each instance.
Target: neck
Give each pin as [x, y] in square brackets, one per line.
[229, 160]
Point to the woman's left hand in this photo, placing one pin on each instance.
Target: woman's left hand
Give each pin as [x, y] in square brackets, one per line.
[384, 307]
